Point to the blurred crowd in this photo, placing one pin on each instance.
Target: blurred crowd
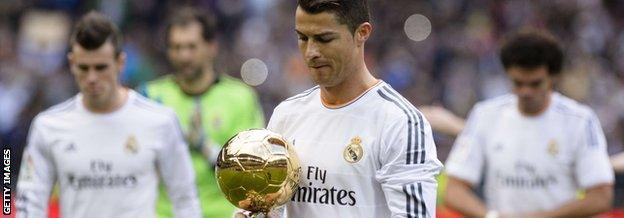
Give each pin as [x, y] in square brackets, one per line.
[455, 66]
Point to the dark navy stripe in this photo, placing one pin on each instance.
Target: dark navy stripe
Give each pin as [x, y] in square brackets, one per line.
[22, 204]
[421, 129]
[422, 201]
[303, 94]
[408, 202]
[413, 147]
[413, 195]
[408, 159]
[420, 137]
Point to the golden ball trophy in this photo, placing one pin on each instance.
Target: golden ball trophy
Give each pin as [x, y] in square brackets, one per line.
[258, 170]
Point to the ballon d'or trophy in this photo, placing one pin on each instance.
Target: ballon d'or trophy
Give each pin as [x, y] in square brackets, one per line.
[258, 170]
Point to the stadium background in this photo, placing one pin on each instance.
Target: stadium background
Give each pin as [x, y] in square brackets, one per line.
[440, 52]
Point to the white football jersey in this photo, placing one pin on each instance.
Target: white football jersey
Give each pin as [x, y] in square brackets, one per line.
[106, 165]
[374, 157]
[531, 164]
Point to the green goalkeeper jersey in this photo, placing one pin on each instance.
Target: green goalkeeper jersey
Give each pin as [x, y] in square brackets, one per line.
[208, 121]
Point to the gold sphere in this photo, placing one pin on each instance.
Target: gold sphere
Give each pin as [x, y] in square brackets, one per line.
[258, 170]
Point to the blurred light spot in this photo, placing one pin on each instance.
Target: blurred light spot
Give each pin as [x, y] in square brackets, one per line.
[254, 72]
[417, 27]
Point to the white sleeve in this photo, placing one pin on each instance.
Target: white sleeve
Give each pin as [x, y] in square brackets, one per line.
[467, 157]
[174, 164]
[592, 161]
[409, 165]
[37, 176]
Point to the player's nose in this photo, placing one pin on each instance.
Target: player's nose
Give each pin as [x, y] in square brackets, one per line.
[312, 52]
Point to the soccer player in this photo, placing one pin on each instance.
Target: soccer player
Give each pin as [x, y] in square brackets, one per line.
[536, 147]
[107, 146]
[212, 107]
[365, 151]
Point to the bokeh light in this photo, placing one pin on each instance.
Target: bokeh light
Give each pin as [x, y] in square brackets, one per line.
[254, 72]
[417, 27]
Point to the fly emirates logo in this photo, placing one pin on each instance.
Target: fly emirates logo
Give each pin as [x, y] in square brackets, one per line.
[322, 195]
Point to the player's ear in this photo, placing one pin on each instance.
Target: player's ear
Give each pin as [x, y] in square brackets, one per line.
[70, 58]
[121, 61]
[362, 33]
[70, 61]
[213, 48]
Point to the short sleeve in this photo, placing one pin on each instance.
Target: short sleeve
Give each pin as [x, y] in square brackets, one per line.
[467, 157]
[592, 160]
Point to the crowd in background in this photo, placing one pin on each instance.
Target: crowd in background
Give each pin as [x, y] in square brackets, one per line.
[455, 66]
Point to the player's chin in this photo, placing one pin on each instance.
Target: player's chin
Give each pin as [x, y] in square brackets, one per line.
[187, 72]
[92, 93]
[320, 72]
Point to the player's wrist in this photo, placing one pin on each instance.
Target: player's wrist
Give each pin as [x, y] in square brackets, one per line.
[492, 214]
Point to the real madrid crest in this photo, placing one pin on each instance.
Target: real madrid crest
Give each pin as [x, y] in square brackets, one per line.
[553, 148]
[353, 152]
[132, 146]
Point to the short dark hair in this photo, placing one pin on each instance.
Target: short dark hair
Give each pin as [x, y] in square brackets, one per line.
[93, 30]
[186, 15]
[349, 12]
[531, 49]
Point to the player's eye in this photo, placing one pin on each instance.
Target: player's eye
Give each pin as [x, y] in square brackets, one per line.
[303, 38]
[83, 68]
[325, 39]
[536, 84]
[192, 46]
[101, 67]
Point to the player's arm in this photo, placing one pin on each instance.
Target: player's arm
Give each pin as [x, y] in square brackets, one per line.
[464, 168]
[617, 161]
[37, 176]
[408, 167]
[174, 164]
[592, 171]
[460, 197]
[597, 200]
[443, 120]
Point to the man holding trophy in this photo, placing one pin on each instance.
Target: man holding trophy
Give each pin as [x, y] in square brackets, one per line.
[364, 150]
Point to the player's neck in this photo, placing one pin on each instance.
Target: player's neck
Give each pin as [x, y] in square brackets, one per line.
[348, 90]
[117, 99]
[197, 86]
[541, 111]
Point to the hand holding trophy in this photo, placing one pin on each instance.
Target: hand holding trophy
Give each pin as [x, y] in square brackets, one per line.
[258, 170]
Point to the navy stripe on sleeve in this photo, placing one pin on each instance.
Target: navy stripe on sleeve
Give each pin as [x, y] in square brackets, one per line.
[410, 123]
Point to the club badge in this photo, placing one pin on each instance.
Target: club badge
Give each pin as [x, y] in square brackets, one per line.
[353, 152]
